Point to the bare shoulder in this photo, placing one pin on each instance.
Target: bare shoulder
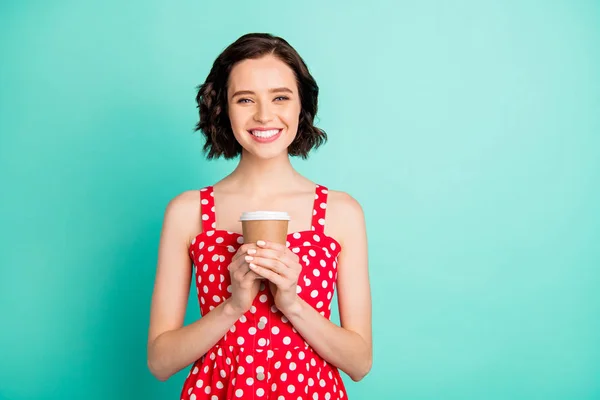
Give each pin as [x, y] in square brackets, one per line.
[342, 201]
[184, 203]
[344, 214]
[183, 213]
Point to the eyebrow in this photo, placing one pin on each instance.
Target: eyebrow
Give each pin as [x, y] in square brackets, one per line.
[274, 90]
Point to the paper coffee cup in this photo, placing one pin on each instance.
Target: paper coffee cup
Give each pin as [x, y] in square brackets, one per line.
[271, 226]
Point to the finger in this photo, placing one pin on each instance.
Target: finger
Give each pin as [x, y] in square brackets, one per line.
[251, 275]
[238, 263]
[274, 251]
[268, 253]
[238, 260]
[242, 270]
[274, 265]
[243, 250]
[288, 258]
[277, 279]
[243, 266]
[263, 244]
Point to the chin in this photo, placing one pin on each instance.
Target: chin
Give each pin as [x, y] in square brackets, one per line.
[264, 154]
[278, 148]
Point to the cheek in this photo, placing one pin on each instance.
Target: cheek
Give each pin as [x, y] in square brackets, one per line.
[237, 119]
[292, 115]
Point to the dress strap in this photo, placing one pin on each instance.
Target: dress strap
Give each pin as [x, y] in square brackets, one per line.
[319, 209]
[207, 209]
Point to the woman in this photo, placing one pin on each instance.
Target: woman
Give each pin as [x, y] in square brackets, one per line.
[265, 331]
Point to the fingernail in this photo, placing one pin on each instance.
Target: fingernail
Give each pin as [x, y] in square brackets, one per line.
[261, 243]
[252, 266]
[248, 258]
[252, 251]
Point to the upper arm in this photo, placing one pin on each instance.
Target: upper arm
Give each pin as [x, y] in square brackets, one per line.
[174, 267]
[353, 287]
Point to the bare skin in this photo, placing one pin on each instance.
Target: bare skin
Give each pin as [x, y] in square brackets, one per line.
[263, 179]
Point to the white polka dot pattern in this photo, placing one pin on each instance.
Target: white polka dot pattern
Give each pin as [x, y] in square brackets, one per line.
[262, 355]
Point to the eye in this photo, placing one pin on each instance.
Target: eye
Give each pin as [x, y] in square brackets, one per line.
[243, 101]
[280, 98]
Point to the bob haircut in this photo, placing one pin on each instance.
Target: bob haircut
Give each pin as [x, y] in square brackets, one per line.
[212, 97]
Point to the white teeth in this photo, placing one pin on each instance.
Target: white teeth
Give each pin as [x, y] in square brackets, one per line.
[265, 134]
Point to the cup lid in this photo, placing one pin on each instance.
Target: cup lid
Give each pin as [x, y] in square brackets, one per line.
[265, 215]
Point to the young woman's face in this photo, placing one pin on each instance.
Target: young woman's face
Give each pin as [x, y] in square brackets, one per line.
[264, 105]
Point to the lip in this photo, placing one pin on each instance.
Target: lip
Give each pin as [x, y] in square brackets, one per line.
[260, 128]
[265, 140]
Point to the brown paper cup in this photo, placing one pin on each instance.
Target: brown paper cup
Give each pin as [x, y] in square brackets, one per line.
[271, 226]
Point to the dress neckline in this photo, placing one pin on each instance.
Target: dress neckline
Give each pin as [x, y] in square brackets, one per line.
[315, 233]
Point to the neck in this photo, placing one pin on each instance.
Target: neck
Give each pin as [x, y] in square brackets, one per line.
[264, 176]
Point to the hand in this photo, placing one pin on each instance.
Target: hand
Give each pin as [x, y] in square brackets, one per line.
[281, 267]
[245, 284]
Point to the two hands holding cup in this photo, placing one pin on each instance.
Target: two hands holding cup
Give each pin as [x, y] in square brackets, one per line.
[264, 255]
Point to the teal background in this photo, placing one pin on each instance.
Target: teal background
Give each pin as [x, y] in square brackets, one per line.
[468, 130]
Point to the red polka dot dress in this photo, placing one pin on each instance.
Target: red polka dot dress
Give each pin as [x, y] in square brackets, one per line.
[262, 356]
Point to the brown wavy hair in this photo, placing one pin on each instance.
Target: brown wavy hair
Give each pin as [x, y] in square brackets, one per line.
[212, 97]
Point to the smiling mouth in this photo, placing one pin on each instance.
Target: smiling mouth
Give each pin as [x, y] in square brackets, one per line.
[265, 134]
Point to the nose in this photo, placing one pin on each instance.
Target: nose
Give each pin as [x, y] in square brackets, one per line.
[263, 113]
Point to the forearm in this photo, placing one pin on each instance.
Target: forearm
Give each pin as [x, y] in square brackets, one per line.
[173, 350]
[343, 348]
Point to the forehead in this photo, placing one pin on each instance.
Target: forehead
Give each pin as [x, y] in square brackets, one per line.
[261, 74]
